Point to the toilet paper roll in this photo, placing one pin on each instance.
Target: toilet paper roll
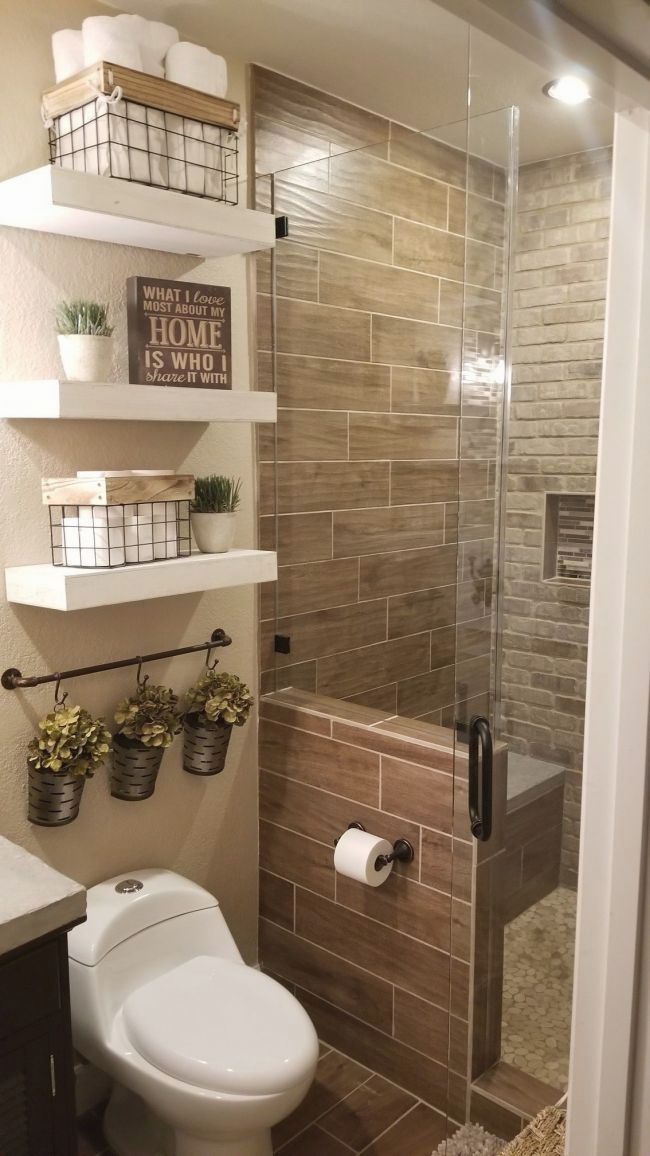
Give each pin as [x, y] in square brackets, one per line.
[355, 855]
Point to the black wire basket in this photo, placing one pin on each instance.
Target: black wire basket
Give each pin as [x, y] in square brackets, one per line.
[98, 537]
[133, 142]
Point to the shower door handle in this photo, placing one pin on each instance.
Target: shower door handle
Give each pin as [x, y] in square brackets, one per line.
[480, 778]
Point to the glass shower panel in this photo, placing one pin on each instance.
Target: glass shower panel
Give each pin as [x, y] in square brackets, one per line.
[383, 328]
[360, 333]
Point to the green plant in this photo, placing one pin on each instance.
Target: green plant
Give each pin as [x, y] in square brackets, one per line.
[83, 317]
[220, 697]
[70, 742]
[150, 716]
[216, 494]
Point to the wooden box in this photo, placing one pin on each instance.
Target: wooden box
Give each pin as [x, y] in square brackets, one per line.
[140, 87]
[117, 490]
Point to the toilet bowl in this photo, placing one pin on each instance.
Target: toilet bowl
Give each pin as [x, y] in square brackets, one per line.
[207, 1054]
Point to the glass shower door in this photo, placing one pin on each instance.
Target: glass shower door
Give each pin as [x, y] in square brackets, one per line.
[522, 922]
[360, 335]
[381, 329]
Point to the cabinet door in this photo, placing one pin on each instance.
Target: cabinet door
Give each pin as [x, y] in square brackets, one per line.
[27, 1096]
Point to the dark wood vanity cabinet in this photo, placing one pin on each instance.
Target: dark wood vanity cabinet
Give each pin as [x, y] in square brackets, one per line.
[37, 1114]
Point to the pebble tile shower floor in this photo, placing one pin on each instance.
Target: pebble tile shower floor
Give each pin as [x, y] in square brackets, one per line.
[537, 988]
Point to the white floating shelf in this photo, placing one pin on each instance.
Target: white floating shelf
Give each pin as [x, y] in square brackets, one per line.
[55, 200]
[65, 588]
[98, 401]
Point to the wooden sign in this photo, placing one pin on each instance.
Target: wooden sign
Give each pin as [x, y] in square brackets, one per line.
[179, 333]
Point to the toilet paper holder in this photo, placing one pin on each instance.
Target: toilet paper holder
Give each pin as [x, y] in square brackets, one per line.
[402, 850]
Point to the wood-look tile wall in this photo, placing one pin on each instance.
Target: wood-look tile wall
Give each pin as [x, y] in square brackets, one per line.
[384, 973]
[369, 481]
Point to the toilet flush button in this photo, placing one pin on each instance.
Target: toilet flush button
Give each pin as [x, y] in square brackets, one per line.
[127, 886]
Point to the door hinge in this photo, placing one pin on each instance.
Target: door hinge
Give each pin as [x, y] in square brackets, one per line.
[53, 1075]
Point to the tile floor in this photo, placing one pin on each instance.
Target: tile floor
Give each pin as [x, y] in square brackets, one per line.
[349, 1109]
[90, 1138]
[537, 988]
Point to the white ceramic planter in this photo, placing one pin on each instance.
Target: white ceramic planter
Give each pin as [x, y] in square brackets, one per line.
[213, 533]
[84, 357]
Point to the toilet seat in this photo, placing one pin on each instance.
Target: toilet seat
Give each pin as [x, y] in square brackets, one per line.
[221, 1026]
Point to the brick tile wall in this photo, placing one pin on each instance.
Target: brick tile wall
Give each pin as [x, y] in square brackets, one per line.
[559, 308]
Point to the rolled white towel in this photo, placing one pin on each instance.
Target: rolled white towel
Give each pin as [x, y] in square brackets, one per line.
[194, 156]
[221, 69]
[157, 146]
[154, 38]
[132, 26]
[176, 152]
[104, 39]
[197, 67]
[113, 151]
[214, 183]
[68, 53]
[160, 38]
[140, 162]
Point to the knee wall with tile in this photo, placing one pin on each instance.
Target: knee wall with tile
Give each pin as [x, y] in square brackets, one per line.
[384, 972]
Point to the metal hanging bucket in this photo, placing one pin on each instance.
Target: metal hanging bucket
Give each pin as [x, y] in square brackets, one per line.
[135, 769]
[205, 746]
[53, 799]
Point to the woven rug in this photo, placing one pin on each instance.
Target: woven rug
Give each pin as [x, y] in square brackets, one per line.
[544, 1136]
[470, 1140]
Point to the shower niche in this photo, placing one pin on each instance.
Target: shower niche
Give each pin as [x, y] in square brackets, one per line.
[568, 537]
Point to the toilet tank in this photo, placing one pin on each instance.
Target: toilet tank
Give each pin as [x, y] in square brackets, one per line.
[138, 927]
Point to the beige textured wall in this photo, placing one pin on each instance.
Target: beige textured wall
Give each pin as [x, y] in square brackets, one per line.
[207, 830]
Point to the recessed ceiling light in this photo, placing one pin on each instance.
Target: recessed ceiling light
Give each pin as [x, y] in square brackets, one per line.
[568, 90]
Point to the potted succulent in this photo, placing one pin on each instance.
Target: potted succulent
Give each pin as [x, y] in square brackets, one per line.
[216, 499]
[85, 344]
[148, 721]
[69, 748]
[215, 704]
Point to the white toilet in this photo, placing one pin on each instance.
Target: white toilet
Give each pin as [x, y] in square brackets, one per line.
[206, 1053]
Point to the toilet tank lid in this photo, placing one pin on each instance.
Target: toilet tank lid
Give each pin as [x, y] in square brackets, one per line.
[126, 904]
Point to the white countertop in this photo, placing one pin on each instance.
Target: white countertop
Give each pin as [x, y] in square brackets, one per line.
[35, 899]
